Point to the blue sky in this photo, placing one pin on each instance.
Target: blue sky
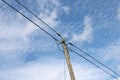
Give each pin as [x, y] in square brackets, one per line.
[27, 53]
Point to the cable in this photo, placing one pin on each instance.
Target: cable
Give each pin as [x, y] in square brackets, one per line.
[38, 18]
[59, 47]
[95, 59]
[93, 64]
[47, 32]
[30, 20]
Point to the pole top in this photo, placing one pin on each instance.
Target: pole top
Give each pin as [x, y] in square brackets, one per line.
[63, 40]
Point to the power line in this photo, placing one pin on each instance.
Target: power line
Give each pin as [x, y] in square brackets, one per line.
[37, 26]
[93, 63]
[94, 59]
[30, 20]
[48, 32]
[38, 18]
[59, 47]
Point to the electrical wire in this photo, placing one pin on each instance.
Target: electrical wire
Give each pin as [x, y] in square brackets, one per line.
[30, 20]
[50, 34]
[58, 46]
[93, 63]
[41, 29]
[38, 18]
[94, 59]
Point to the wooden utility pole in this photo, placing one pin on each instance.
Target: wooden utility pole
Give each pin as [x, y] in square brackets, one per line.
[67, 56]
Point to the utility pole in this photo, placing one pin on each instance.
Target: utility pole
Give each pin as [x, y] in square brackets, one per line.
[67, 56]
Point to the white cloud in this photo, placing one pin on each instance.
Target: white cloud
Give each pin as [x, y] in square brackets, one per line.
[109, 55]
[50, 14]
[13, 37]
[28, 30]
[118, 12]
[50, 19]
[16, 33]
[66, 9]
[117, 79]
[51, 71]
[119, 69]
[87, 33]
[13, 33]
[112, 52]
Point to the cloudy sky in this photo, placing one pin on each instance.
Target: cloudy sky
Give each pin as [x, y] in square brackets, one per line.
[27, 53]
